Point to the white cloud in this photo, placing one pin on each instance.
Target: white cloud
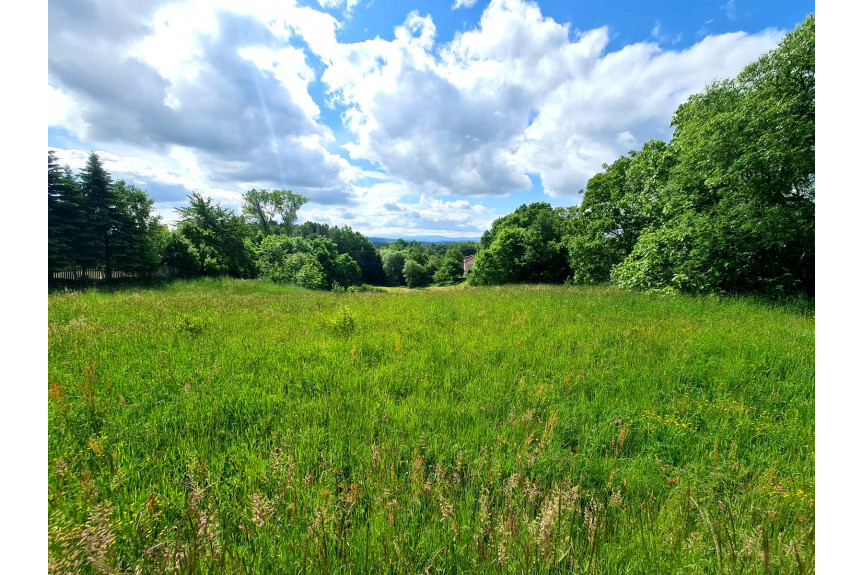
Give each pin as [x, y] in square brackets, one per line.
[463, 4]
[214, 96]
[388, 208]
[218, 79]
[349, 4]
[519, 94]
[626, 139]
[64, 112]
[288, 65]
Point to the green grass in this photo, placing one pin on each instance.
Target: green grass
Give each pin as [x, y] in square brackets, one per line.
[239, 426]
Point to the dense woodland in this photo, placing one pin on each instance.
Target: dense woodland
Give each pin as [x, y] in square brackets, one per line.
[726, 206]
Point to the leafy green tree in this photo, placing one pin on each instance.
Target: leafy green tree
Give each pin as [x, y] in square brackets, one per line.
[415, 274]
[362, 251]
[619, 204]
[139, 238]
[592, 252]
[179, 253]
[352, 243]
[301, 269]
[739, 206]
[417, 254]
[273, 250]
[527, 246]
[450, 269]
[276, 260]
[503, 261]
[339, 268]
[264, 207]
[218, 237]
[393, 264]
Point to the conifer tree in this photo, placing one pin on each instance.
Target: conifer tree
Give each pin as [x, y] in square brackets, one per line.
[65, 217]
[101, 206]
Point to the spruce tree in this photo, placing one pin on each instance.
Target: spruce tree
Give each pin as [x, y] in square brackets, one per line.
[65, 217]
[103, 215]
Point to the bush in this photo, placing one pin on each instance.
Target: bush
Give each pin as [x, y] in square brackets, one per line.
[310, 263]
[181, 254]
[415, 274]
[301, 269]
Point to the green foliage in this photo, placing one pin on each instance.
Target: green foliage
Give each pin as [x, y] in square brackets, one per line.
[619, 205]
[103, 215]
[527, 246]
[450, 268]
[262, 207]
[95, 221]
[441, 263]
[393, 264]
[66, 217]
[222, 425]
[352, 243]
[300, 269]
[503, 261]
[729, 205]
[673, 257]
[179, 253]
[312, 263]
[339, 268]
[415, 274]
[218, 237]
[139, 238]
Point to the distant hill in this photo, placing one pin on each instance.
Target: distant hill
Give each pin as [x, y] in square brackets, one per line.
[424, 240]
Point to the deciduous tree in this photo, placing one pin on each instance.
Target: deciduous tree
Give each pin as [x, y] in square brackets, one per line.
[273, 211]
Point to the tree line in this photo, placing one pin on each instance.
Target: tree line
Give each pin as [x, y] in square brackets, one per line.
[94, 221]
[726, 206]
[97, 222]
[414, 264]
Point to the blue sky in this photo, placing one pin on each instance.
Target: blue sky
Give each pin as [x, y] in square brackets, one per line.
[396, 118]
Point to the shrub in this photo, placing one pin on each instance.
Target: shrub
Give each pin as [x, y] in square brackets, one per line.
[343, 324]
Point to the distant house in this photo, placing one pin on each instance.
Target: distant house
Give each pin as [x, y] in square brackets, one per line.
[468, 264]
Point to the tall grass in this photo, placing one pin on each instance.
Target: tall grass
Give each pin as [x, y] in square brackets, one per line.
[226, 425]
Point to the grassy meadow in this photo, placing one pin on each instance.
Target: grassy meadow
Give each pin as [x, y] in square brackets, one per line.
[238, 426]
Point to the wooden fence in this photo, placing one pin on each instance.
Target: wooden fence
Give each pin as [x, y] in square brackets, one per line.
[98, 274]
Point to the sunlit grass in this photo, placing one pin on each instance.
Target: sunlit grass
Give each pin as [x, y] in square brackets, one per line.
[229, 425]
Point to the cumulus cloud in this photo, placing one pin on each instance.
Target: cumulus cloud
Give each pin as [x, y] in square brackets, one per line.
[387, 208]
[218, 79]
[216, 96]
[519, 94]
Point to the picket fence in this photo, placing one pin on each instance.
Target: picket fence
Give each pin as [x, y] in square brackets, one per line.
[98, 274]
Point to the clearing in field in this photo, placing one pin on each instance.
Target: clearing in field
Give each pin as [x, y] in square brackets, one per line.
[239, 426]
